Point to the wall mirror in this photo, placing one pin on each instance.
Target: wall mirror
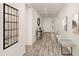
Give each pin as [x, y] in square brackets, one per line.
[10, 25]
[64, 26]
[38, 21]
[75, 23]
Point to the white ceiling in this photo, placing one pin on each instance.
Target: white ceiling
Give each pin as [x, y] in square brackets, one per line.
[48, 9]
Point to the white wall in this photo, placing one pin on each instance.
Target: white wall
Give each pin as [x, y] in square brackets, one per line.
[35, 15]
[18, 48]
[47, 24]
[28, 25]
[31, 16]
[69, 10]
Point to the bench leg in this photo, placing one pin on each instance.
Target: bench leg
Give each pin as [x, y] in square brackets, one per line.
[65, 54]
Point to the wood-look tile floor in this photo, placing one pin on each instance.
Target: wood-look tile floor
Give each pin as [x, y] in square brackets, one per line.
[43, 47]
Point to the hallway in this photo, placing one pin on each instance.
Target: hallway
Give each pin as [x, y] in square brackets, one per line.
[43, 47]
[23, 24]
